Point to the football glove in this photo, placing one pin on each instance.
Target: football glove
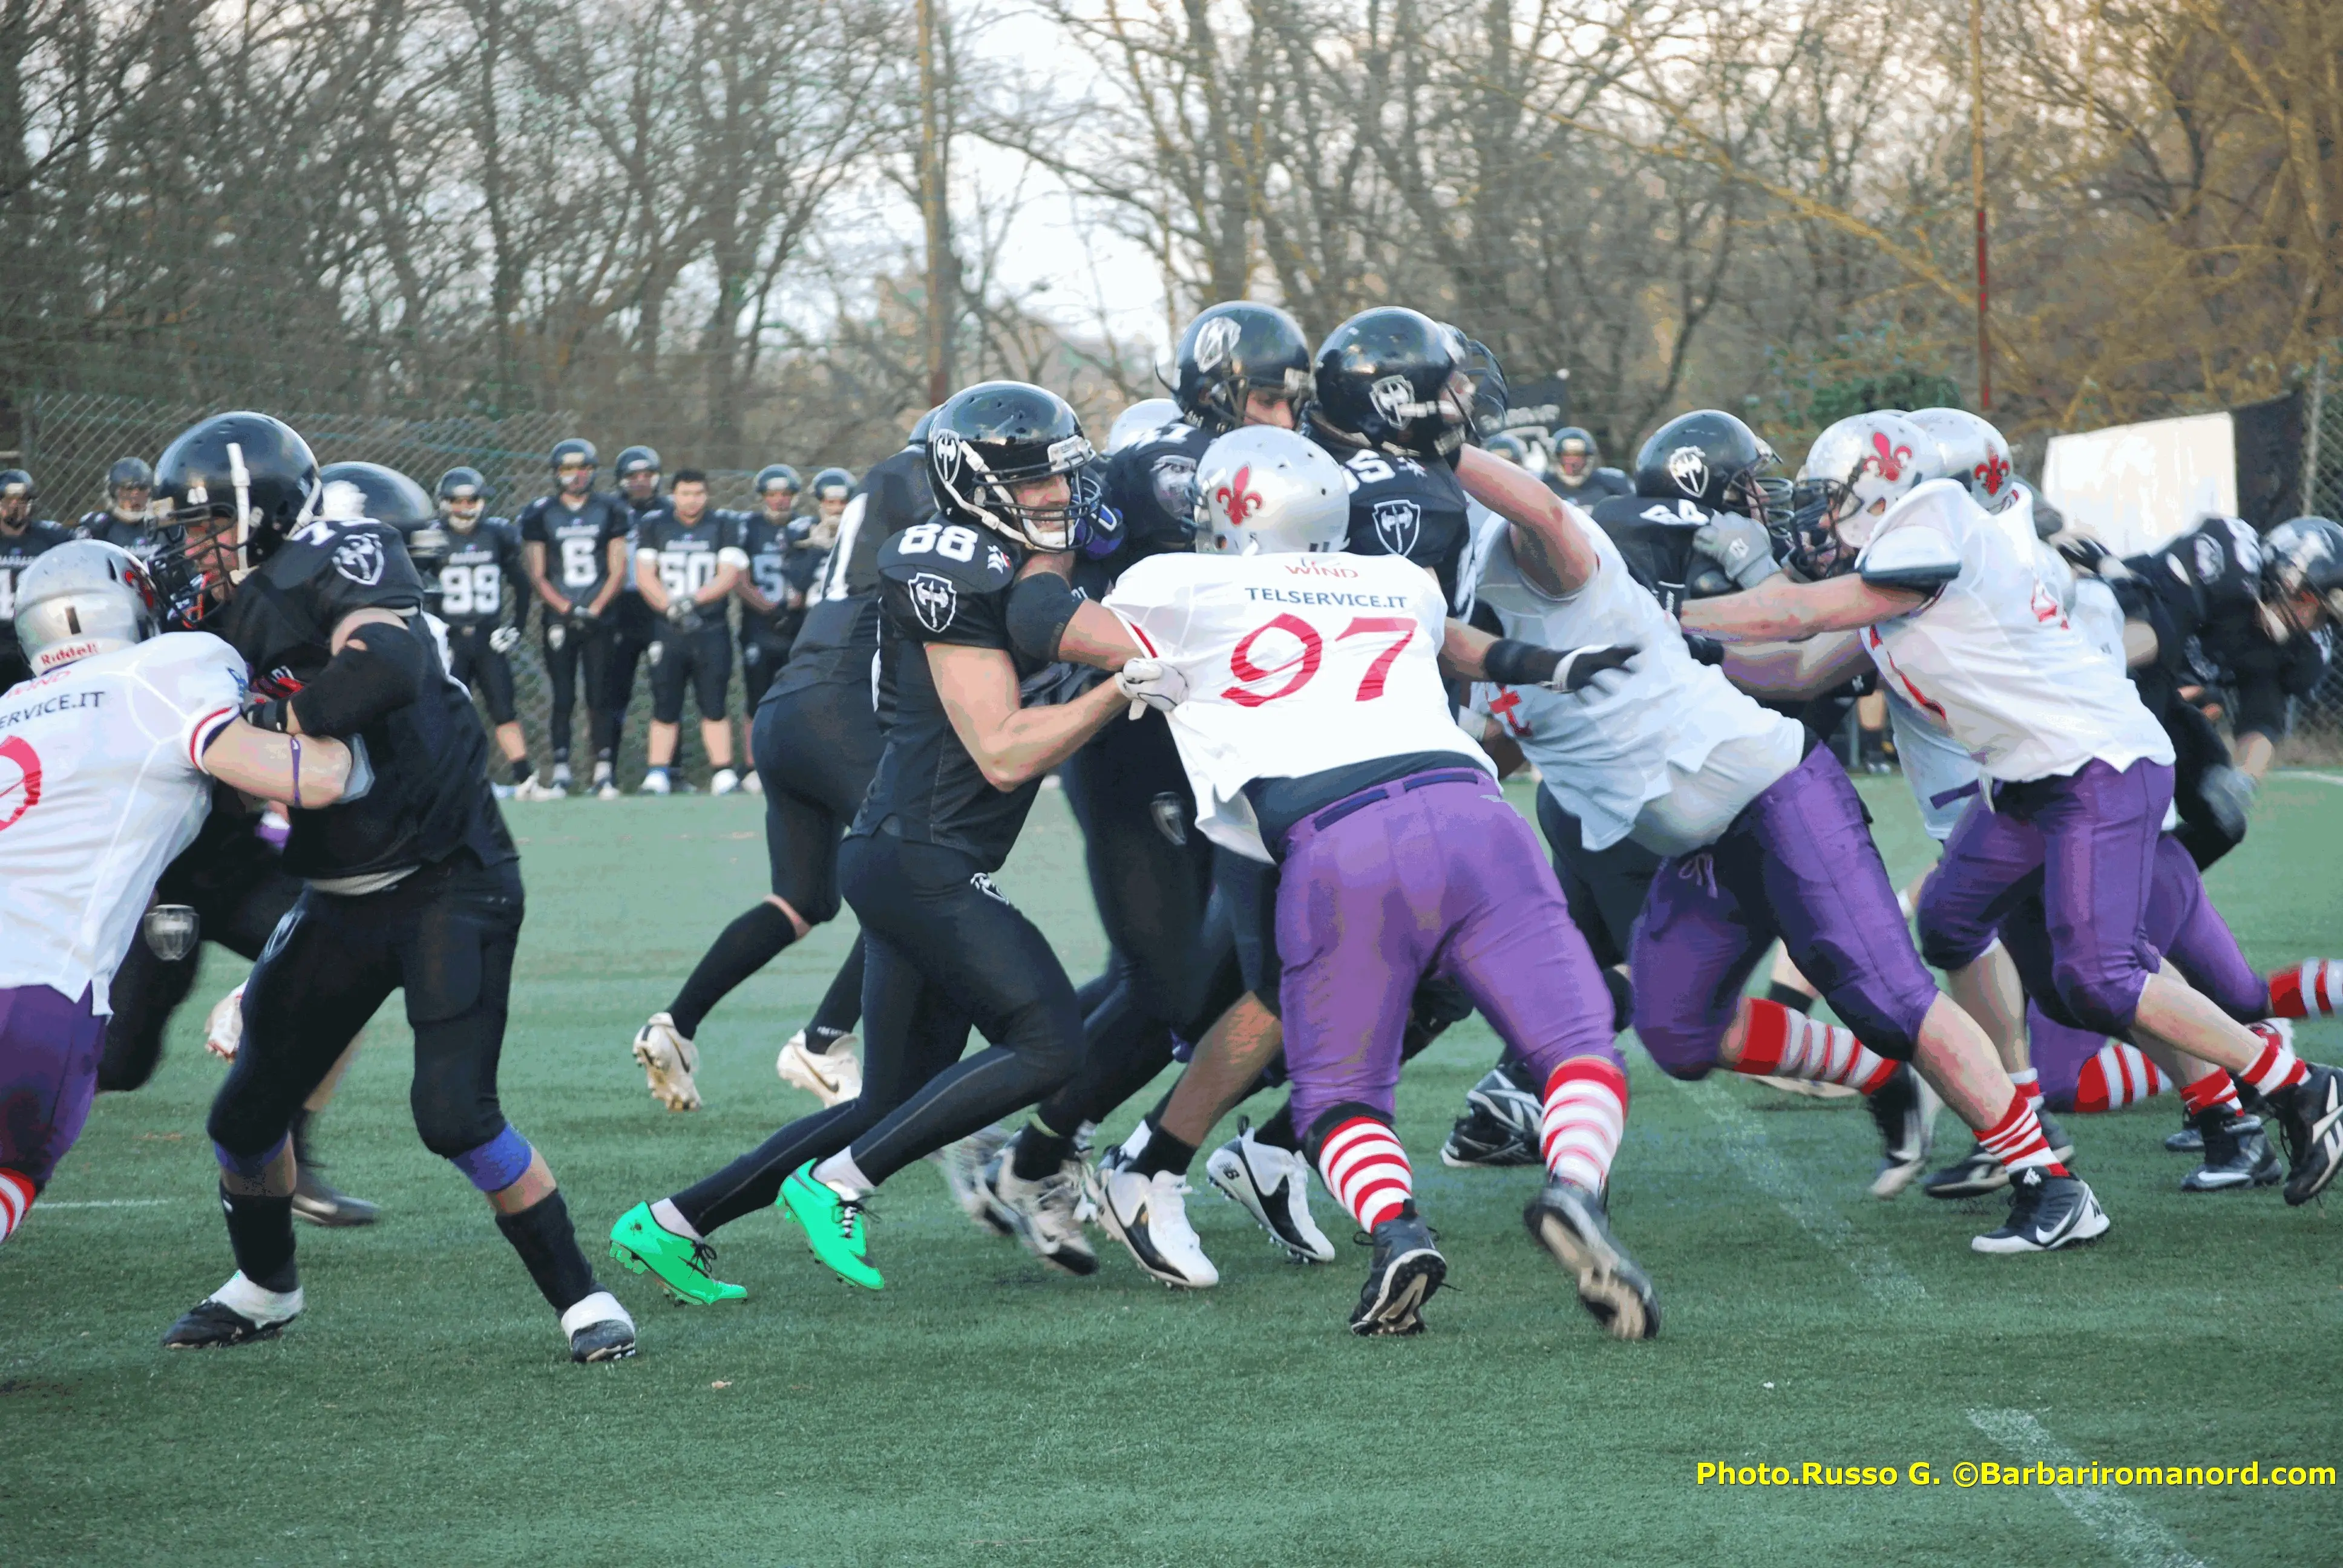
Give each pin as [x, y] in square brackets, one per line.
[1581, 666]
[556, 634]
[2229, 793]
[682, 612]
[2086, 554]
[1738, 545]
[1152, 683]
[224, 1030]
[504, 639]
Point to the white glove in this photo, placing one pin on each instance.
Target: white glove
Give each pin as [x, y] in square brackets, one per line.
[556, 634]
[1152, 683]
[224, 1030]
[1739, 545]
[504, 639]
[682, 611]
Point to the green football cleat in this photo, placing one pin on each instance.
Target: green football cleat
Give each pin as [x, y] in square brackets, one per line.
[833, 1227]
[679, 1263]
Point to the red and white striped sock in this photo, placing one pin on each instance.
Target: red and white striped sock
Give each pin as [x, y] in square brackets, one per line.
[2312, 988]
[16, 1200]
[2016, 1138]
[2277, 1067]
[1366, 1169]
[1586, 1112]
[2118, 1076]
[1781, 1043]
[2216, 1087]
[2029, 1084]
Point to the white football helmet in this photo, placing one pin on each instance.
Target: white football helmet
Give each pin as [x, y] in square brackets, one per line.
[1974, 454]
[85, 596]
[1147, 413]
[1855, 470]
[1264, 491]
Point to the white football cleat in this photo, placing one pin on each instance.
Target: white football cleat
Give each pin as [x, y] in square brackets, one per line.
[1273, 1185]
[655, 782]
[750, 782]
[224, 1030]
[726, 782]
[832, 1077]
[963, 1164]
[532, 788]
[1041, 1213]
[669, 1061]
[1149, 1215]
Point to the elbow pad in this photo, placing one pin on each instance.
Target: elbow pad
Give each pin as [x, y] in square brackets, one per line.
[380, 669]
[1920, 559]
[1039, 606]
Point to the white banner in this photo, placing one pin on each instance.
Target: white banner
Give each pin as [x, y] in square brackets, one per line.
[2133, 487]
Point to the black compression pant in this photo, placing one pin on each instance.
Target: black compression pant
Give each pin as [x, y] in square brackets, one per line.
[570, 652]
[629, 640]
[239, 890]
[1605, 888]
[944, 952]
[815, 749]
[473, 663]
[445, 935]
[761, 657]
[699, 659]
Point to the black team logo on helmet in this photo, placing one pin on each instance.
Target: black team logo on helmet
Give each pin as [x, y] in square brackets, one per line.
[1233, 350]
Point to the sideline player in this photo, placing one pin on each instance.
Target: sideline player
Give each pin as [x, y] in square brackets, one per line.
[574, 543]
[1577, 473]
[482, 557]
[815, 742]
[107, 761]
[416, 886]
[1955, 612]
[971, 732]
[687, 560]
[782, 564]
[633, 628]
[122, 521]
[1304, 691]
[23, 540]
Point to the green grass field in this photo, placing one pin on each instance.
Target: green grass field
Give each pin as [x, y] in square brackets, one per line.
[983, 1411]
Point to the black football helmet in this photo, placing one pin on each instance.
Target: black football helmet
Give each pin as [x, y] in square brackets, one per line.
[637, 461]
[1388, 377]
[370, 490]
[463, 495]
[999, 433]
[918, 438]
[575, 452]
[833, 485]
[778, 476]
[1235, 349]
[1710, 457]
[129, 474]
[2304, 556]
[1478, 363]
[16, 485]
[244, 469]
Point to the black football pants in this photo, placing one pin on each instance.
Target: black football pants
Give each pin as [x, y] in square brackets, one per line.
[572, 653]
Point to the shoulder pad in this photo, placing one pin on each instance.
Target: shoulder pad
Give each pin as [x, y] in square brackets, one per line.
[1919, 559]
[986, 566]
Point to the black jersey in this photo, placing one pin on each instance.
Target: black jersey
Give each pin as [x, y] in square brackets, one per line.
[839, 638]
[943, 583]
[2201, 592]
[781, 561]
[1400, 507]
[1654, 537]
[132, 534]
[17, 551]
[686, 555]
[474, 573]
[577, 541]
[1592, 491]
[430, 797]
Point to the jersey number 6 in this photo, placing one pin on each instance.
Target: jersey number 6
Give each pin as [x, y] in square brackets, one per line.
[1302, 667]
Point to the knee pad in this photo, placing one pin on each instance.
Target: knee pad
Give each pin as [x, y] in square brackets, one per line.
[2099, 1001]
[250, 1167]
[496, 1164]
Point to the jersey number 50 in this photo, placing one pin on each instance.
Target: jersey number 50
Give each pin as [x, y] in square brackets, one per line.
[1301, 668]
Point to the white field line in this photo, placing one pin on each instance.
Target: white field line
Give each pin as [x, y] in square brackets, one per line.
[107, 1204]
[2121, 1525]
[1874, 1267]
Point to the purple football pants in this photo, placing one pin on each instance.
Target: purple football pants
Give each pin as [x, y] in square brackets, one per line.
[1436, 877]
[2182, 924]
[2089, 842]
[1798, 863]
[48, 1075]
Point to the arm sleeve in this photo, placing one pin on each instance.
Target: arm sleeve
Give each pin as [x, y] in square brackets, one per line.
[380, 669]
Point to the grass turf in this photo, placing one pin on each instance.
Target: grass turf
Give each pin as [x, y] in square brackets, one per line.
[983, 1410]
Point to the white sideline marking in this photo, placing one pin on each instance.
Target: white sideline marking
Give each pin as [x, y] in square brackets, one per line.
[109, 1203]
[1744, 1140]
[2315, 778]
[2123, 1527]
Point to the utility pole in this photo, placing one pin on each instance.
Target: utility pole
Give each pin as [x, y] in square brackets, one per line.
[941, 281]
[1976, 194]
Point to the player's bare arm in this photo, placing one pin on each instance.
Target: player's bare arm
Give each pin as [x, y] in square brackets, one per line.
[304, 773]
[616, 556]
[533, 554]
[1012, 745]
[1779, 610]
[1553, 547]
[1796, 669]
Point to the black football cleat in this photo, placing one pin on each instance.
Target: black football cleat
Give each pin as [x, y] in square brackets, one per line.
[2188, 1140]
[1500, 1125]
[612, 1341]
[215, 1325]
[2311, 1118]
[321, 1203]
[1974, 1175]
[1904, 1108]
[2237, 1153]
[1407, 1269]
[1574, 1226]
[2045, 1213]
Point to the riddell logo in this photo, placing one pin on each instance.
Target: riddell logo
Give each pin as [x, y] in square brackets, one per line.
[65, 653]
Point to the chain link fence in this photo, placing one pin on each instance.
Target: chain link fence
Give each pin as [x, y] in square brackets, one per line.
[69, 440]
[2319, 718]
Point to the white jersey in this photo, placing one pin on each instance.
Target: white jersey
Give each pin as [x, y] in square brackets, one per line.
[1608, 750]
[1295, 664]
[99, 789]
[1993, 657]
